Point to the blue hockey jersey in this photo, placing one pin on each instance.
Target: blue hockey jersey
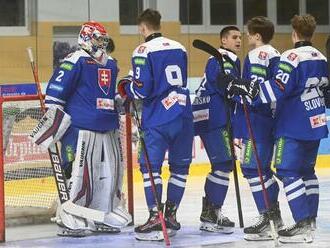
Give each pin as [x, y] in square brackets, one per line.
[208, 107]
[160, 77]
[86, 91]
[259, 65]
[297, 90]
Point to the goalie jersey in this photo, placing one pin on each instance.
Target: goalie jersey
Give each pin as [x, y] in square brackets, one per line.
[209, 107]
[259, 65]
[86, 91]
[159, 79]
[297, 89]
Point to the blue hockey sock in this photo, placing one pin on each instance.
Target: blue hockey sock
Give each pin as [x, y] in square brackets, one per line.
[296, 195]
[312, 194]
[216, 187]
[151, 202]
[271, 186]
[175, 187]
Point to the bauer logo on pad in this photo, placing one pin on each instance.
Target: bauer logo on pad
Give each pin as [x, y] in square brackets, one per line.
[104, 80]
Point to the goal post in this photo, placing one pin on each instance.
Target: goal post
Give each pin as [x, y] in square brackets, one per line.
[27, 185]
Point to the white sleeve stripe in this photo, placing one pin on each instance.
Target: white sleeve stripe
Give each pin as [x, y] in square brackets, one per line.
[312, 191]
[136, 94]
[132, 90]
[262, 95]
[293, 185]
[217, 180]
[51, 98]
[222, 174]
[146, 175]
[179, 176]
[311, 182]
[296, 194]
[148, 183]
[255, 179]
[268, 183]
[177, 182]
[270, 91]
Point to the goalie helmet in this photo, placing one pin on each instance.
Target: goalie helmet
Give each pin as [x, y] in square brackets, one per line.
[93, 38]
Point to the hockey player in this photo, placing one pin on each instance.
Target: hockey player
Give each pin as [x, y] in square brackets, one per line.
[159, 79]
[259, 65]
[83, 87]
[297, 88]
[210, 124]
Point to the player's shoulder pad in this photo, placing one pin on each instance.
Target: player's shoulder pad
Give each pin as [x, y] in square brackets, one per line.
[230, 54]
[75, 56]
[297, 55]
[155, 45]
[262, 55]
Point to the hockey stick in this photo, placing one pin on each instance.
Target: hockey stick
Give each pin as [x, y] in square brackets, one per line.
[55, 160]
[199, 44]
[256, 154]
[327, 48]
[152, 181]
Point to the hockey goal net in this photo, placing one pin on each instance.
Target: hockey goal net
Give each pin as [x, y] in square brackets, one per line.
[27, 187]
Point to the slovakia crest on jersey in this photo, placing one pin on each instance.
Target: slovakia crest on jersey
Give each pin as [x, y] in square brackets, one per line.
[262, 55]
[104, 80]
[292, 56]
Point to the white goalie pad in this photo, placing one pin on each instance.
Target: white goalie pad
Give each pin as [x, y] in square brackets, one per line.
[51, 127]
[97, 176]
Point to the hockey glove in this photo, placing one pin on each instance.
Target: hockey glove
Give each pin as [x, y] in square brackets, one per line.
[224, 80]
[243, 87]
[326, 92]
[121, 85]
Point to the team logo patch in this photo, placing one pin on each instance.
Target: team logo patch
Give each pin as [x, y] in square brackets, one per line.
[292, 56]
[262, 55]
[201, 115]
[141, 49]
[104, 103]
[318, 120]
[104, 80]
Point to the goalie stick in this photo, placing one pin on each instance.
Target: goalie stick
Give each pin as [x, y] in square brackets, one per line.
[251, 134]
[199, 44]
[152, 181]
[55, 160]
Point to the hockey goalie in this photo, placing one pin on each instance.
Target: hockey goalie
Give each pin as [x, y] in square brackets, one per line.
[83, 117]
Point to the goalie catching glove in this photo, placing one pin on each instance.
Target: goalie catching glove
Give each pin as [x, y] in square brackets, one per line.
[51, 127]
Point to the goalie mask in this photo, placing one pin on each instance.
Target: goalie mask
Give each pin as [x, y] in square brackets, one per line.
[93, 38]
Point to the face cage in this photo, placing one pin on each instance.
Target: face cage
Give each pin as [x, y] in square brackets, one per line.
[100, 41]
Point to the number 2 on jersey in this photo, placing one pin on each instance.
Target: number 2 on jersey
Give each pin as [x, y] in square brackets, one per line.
[60, 75]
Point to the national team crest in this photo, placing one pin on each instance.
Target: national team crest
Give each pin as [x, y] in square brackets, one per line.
[262, 55]
[104, 80]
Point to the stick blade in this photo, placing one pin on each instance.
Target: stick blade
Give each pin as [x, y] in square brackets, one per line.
[206, 47]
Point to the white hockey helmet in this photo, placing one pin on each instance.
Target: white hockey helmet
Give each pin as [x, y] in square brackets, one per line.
[93, 37]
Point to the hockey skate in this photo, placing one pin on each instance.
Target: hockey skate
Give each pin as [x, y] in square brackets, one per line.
[152, 229]
[261, 230]
[103, 228]
[67, 232]
[172, 225]
[213, 220]
[300, 232]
